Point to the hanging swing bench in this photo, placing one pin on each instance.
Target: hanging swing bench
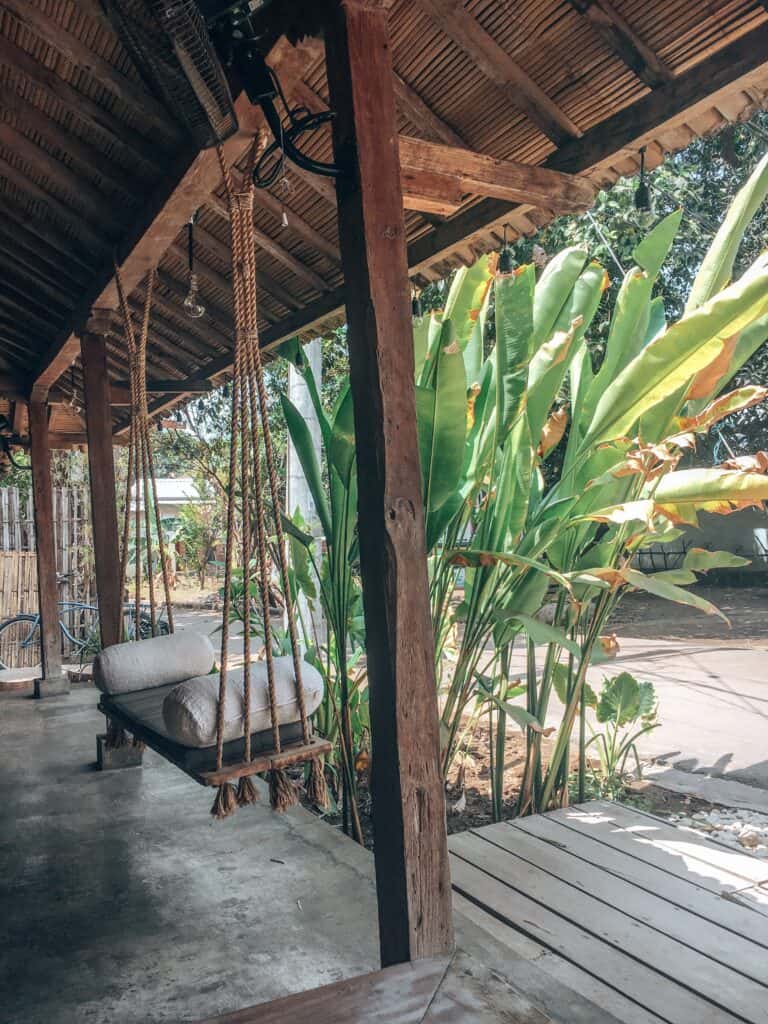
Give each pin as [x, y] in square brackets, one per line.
[224, 727]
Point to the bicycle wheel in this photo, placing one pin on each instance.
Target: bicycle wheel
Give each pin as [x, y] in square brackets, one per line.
[20, 642]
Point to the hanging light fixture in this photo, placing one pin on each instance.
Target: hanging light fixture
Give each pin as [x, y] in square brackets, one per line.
[192, 303]
[642, 193]
[506, 260]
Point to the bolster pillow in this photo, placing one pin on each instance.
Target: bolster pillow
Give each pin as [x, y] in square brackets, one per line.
[189, 710]
[159, 661]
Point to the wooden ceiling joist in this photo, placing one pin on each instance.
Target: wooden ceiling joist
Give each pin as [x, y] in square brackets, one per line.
[467, 172]
[420, 114]
[70, 46]
[738, 64]
[187, 186]
[46, 234]
[89, 157]
[452, 18]
[275, 249]
[98, 206]
[131, 142]
[62, 213]
[616, 31]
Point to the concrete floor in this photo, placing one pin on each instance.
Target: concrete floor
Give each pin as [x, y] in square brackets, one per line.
[122, 901]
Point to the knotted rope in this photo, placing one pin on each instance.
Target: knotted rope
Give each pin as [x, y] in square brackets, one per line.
[249, 423]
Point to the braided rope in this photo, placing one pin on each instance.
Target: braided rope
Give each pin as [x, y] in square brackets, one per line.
[252, 390]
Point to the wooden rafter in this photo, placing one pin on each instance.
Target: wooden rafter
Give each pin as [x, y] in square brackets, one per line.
[63, 214]
[452, 18]
[107, 124]
[53, 33]
[613, 27]
[419, 113]
[740, 63]
[186, 188]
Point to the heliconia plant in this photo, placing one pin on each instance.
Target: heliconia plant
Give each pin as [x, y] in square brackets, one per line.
[508, 535]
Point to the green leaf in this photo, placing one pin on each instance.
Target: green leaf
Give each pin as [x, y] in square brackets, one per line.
[553, 289]
[541, 632]
[670, 592]
[717, 267]
[619, 700]
[513, 295]
[683, 493]
[341, 448]
[442, 424]
[701, 560]
[676, 356]
[560, 686]
[467, 296]
[305, 449]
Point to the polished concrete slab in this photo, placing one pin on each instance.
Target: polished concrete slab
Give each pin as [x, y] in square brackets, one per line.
[121, 899]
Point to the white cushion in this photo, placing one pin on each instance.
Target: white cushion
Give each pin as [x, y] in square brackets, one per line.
[158, 661]
[189, 710]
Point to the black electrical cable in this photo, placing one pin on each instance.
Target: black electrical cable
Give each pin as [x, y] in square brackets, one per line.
[299, 121]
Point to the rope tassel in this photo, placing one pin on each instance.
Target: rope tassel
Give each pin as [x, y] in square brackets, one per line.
[317, 789]
[282, 792]
[225, 802]
[246, 792]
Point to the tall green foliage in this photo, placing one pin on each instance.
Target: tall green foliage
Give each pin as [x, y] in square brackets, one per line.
[506, 537]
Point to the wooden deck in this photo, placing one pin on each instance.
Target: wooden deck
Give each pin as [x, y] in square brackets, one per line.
[650, 922]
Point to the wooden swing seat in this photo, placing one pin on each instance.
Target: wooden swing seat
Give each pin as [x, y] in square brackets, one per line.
[141, 714]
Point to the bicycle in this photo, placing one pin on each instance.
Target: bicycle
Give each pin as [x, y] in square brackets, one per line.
[22, 632]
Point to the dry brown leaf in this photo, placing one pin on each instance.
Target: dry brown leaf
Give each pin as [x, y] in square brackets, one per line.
[706, 380]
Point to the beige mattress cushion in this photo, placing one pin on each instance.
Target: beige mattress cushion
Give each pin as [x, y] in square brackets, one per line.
[145, 664]
[189, 710]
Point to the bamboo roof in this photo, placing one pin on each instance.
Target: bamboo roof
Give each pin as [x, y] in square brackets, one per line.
[92, 164]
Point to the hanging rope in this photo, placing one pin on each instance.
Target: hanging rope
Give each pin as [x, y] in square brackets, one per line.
[250, 424]
[140, 479]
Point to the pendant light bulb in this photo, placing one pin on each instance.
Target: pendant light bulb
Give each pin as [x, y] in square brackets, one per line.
[642, 192]
[192, 303]
[506, 260]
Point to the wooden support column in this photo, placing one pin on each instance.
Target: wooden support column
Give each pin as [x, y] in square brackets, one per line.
[106, 547]
[52, 680]
[412, 873]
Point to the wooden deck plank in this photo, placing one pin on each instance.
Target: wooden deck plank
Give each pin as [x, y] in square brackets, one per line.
[615, 1005]
[706, 938]
[688, 893]
[439, 990]
[594, 936]
[680, 852]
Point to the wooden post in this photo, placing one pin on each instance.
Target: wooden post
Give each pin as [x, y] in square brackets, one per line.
[411, 851]
[106, 547]
[52, 680]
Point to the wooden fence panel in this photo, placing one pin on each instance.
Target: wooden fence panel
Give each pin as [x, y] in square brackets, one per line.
[18, 565]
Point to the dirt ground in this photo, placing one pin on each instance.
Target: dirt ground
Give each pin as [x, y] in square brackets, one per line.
[650, 618]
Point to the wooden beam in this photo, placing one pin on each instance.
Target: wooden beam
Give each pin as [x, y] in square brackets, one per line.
[273, 247]
[411, 854]
[53, 33]
[109, 126]
[616, 31]
[186, 187]
[92, 159]
[44, 230]
[419, 113]
[82, 232]
[52, 679]
[101, 465]
[185, 385]
[452, 18]
[742, 64]
[465, 171]
[297, 225]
